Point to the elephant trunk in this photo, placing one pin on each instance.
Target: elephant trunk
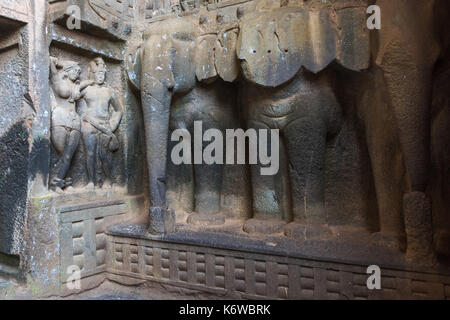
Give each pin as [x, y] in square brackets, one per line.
[156, 100]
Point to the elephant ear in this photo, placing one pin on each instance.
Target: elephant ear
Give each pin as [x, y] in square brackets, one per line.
[354, 41]
[274, 45]
[227, 63]
[205, 66]
[318, 46]
[134, 68]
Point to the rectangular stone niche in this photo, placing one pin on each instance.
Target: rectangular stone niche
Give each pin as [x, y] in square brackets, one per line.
[238, 273]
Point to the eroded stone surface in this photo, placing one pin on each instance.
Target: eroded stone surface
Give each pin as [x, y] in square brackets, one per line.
[363, 123]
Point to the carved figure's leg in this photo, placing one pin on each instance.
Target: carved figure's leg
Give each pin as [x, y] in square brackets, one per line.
[72, 141]
[90, 143]
[105, 159]
[59, 138]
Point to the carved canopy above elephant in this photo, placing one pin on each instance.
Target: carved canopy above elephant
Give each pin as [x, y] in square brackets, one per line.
[268, 48]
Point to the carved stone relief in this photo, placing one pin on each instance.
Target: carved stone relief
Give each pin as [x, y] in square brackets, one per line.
[99, 125]
[287, 59]
[361, 117]
[66, 123]
[86, 115]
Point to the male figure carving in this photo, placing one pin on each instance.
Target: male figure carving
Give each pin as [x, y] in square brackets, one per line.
[99, 125]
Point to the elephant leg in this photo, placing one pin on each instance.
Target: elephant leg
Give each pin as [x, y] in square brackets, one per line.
[270, 195]
[208, 183]
[208, 180]
[180, 187]
[207, 190]
[156, 100]
[180, 179]
[305, 143]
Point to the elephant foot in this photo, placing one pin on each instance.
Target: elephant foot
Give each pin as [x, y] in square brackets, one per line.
[419, 229]
[442, 241]
[203, 219]
[162, 221]
[90, 186]
[107, 185]
[264, 226]
[303, 231]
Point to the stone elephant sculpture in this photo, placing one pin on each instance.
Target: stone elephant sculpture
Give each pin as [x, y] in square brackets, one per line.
[167, 69]
[273, 46]
[284, 56]
[406, 51]
[282, 65]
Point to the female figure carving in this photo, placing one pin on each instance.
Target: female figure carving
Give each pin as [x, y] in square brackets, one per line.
[66, 124]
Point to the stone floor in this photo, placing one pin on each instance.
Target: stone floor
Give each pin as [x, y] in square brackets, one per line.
[108, 290]
[113, 291]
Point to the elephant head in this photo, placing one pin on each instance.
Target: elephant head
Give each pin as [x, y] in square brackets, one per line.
[273, 45]
[174, 55]
[163, 67]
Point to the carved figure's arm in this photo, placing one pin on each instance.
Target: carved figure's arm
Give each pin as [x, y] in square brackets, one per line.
[118, 111]
[85, 83]
[83, 86]
[53, 69]
[55, 76]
